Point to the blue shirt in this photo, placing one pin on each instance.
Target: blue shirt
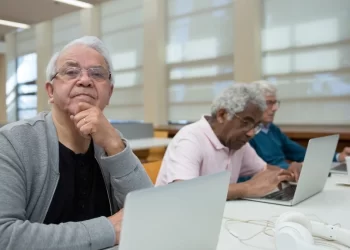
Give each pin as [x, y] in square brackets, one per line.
[275, 147]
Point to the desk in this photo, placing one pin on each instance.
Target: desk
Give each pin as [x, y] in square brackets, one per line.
[147, 143]
[332, 197]
[141, 147]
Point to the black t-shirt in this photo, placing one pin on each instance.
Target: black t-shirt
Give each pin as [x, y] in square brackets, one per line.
[81, 192]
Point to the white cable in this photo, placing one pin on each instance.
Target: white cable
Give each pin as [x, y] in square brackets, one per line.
[268, 226]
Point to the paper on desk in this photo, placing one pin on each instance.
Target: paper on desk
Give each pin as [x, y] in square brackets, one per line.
[346, 184]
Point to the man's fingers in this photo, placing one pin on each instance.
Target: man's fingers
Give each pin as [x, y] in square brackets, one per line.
[86, 130]
[81, 115]
[285, 172]
[282, 178]
[296, 175]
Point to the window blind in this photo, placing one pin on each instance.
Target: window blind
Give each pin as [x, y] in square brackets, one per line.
[199, 55]
[122, 32]
[66, 28]
[25, 42]
[306, 53]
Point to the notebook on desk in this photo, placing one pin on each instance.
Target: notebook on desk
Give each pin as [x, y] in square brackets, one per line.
[313, 176]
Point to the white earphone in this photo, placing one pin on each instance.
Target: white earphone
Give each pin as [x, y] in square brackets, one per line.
[294, 231]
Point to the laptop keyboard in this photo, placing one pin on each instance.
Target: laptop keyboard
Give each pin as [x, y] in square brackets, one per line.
[285, 194]
[341, 167]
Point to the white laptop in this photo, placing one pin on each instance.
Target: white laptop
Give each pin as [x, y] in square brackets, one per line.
[313, 176]
[185, 215]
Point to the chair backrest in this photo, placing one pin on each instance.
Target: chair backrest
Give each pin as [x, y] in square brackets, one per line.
[135, 130]
[161, 134]
[152, 169]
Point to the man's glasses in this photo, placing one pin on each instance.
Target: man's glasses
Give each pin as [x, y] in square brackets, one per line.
[248, 125]
[98, 74]
[270, 104]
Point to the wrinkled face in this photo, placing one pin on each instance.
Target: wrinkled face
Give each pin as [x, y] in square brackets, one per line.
[272, 106]
[240, 129]
[82, 76]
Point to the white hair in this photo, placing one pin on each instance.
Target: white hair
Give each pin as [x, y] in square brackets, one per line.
[267, 88]
[89, 41]
[236, 98]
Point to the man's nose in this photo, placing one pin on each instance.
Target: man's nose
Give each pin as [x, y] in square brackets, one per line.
[84, 79]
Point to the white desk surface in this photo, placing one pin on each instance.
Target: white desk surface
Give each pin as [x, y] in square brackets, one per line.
[147, 143]
[332, 206]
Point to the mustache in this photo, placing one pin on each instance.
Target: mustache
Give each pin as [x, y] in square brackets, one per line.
[83, 93]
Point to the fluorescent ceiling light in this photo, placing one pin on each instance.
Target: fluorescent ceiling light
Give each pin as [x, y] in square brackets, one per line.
[76, 3]
[14, 24]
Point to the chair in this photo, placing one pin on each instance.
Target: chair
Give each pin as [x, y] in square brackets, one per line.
[157, 153]
[152, 169]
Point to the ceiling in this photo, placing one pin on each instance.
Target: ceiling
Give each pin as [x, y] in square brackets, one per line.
[33, 11]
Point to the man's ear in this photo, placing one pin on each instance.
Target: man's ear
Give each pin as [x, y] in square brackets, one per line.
[110, 93]
[221, 115]
[49, 90]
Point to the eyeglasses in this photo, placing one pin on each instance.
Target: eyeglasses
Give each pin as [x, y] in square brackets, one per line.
[248, 125]
[270, 104]
[71, 73]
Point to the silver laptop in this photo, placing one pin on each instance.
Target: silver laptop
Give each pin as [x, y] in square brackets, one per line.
[339, 168]
[185, 215]
[313, 176]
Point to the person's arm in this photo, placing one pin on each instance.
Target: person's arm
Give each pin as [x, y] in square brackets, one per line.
[183, 160]
[251, 165]
[17, 232]
[251, 162]
[272, 167]
[265, 177]
[237, 190]
[261, 184]
[340, 157]
[126, 174]
[292, 150]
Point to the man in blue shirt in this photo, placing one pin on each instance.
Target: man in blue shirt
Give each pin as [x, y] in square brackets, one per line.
[275, 147]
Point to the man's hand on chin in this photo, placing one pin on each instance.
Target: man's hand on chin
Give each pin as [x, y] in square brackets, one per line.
[91, 122]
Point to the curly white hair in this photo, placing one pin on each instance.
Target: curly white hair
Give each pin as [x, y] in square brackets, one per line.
[267, 88]
[235, 99]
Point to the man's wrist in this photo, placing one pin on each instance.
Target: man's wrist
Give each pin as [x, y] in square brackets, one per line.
[238, 190]
[114, 147]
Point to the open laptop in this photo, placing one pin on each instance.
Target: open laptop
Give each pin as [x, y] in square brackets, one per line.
[339, 168]
[313, 176]
[184, 215]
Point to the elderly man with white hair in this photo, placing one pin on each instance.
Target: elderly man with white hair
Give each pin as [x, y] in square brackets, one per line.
[219, 142]
[275, 147]
[64, 174]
